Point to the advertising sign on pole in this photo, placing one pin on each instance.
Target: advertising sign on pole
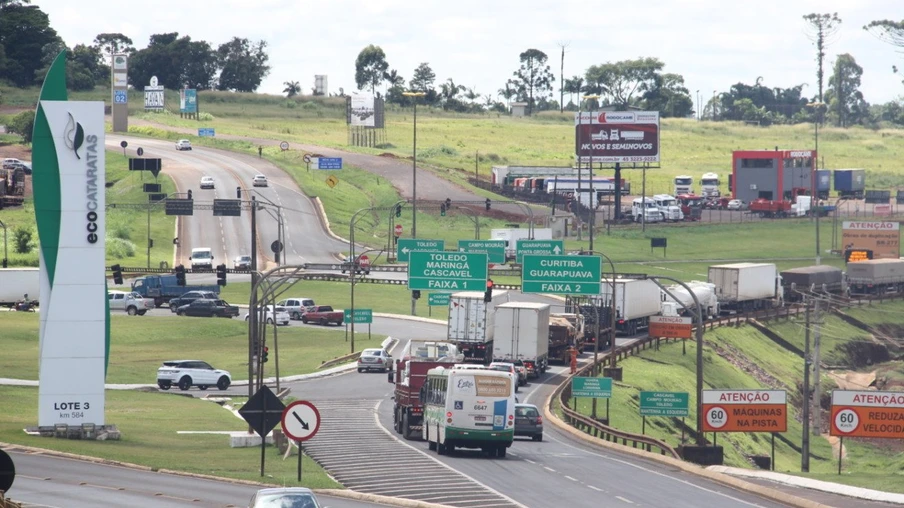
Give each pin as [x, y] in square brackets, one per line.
[867, 414]
[672, 327]
[745, 411]
[617, 136]
[362, 112]
[882, 238]
[154, 98]
[188, 100]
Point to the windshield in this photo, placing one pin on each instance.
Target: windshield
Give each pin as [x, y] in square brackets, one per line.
[286, 501]
[201, 255]
[683, 181]
[667, 202]
[710, 181]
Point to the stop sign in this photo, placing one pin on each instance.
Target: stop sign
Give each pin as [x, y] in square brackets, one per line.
[363, 260]
[398, 230]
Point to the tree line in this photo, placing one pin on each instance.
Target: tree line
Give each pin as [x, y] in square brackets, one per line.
[28, 45]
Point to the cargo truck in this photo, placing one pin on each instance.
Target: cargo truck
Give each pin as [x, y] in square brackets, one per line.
[636, 300]
[876, 276]
[684, 184]
[522, 333]
[472, 323]
[409, 376]
[562, 335]
[823, 183]
[709, 183]
[850, 183]
[683, 303]
[742, 287]
[811, 279]
[16, 283]
[163, 288]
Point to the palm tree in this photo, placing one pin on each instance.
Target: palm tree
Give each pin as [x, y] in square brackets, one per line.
[292, 88]
[393, 78]
[449, 92]
[508, 92]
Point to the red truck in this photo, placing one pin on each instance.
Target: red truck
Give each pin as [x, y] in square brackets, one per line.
[409, 377]
[691, 206]
[770, 208]
[323, 314]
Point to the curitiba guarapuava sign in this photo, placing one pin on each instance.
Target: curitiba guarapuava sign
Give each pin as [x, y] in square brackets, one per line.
[69, 176]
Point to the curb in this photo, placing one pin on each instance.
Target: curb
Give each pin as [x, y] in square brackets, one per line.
[324, 221]
[410, 318]
[721, 478]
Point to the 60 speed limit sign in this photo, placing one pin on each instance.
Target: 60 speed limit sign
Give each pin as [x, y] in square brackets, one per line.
[716, 417]
[846, 421]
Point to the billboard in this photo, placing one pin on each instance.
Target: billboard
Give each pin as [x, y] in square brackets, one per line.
[320, 84]
[881, 237]
[188, 100]
[362, 111]
[617, 136]
[153, 96]
[69, 203]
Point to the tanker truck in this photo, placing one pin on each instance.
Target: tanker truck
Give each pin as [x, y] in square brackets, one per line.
[683, 303]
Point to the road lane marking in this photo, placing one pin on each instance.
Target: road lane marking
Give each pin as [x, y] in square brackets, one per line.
[596, 488]
[551, 470]
[570, 478]
[624, 499]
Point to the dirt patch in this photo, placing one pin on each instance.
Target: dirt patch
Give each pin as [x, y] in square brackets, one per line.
[850, 380]
[15, 152]
[388, 155]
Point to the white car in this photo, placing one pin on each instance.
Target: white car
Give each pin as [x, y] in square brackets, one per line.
[241, 262]
[207, 182]
[132, 303]
[259, 181]
[188, 373]
[374, 359]
[281, 317]
[297, 306]
[735, 204]
[183, 144]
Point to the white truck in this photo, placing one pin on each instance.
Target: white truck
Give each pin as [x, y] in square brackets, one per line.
[511, 236]
[684, 184]
[746, 286]
[472, 323]
[15, 283]
[710, 185]
[645, 209]
[636, 300]
[201, 259]
[522, 333]
[705, 293]
[669, 207]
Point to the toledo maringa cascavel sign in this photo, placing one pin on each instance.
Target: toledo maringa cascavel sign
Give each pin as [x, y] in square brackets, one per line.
[452, 271]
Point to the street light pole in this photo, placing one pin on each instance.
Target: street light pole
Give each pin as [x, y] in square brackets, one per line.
[415, 95]
[592, 207]
[596, 341]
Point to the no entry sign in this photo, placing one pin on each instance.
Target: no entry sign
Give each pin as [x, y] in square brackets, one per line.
[867, 414]
[745, 411]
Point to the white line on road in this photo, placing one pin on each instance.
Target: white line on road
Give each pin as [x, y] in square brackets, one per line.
[572, 479]
[551, 470]
[623, 499]
[596, 488]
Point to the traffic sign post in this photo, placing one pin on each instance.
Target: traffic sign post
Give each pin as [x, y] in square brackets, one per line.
[593, 387]
[437, 300]
[406, 246]
[538, 248]
[262, 412]
[571, 275]
[300, 421]
[672, 327]
[329, 162]
[361, 316]
[663, 404]
[453, 271]
[398, 230]
[494, 249]
[746, 411]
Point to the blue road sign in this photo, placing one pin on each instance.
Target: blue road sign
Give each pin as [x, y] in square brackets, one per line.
[120, 97]
[206, 132]
[329, 163]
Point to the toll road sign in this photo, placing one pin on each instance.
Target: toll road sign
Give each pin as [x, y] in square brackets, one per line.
[300, 420]
[408, 245]
[867, 414]
[570, 275]
[365, 316]
[594, 387]
[494, 249]
[664, 404]
[438, 299]
[538, 248]
[745, 411]
[452, 271]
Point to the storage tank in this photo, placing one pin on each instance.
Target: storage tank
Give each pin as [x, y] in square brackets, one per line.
[677, 306]
[850, 182]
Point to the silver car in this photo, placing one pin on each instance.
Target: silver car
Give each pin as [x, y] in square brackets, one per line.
[374, 359]
[285, 497]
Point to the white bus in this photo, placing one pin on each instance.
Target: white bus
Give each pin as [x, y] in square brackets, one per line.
[469, 408]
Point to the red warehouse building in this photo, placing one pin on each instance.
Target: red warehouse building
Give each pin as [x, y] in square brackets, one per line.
[771, 174]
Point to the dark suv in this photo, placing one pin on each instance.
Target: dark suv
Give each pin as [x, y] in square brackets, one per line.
[204, 307]
[189, 297]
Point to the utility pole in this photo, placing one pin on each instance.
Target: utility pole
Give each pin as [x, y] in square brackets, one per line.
[805, 437]
[817, 424]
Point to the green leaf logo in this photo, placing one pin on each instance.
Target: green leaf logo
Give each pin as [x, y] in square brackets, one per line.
[75, 135]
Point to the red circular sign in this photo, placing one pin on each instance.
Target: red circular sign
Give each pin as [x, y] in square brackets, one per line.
[300, 420]
[364, 260]
[398, 230]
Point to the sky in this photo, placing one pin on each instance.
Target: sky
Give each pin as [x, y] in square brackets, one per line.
[712, 43]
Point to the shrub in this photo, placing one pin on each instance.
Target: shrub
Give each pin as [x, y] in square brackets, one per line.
[117, 248]
[22, 240]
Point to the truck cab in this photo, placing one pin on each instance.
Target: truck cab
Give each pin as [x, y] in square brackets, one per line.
[710, 185]
[684, 184]
[645, 209]
[669, 207]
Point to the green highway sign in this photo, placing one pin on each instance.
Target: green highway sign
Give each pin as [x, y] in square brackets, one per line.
[538, 248]
[408, 245]
[595, 387]
[438, 299]
[494, 249]
[664, 404]
[365, 316]
[571, 275]
[453, 271]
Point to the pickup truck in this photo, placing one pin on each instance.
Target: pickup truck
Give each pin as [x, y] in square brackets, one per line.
[323, 314]
[132, 303]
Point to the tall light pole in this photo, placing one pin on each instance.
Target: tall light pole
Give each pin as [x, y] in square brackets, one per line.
[714, 105]
[415, 96]
[699, 113]
[814, 199]
[590, 178]
[612, 316]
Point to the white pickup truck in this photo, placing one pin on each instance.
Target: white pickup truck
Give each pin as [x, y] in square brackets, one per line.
[131, 303]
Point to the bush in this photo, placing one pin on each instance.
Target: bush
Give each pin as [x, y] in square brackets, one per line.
[22, 124]
[22, 240]
[117, 248]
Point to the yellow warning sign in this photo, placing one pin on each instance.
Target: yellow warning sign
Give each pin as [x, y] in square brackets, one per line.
[332, 181]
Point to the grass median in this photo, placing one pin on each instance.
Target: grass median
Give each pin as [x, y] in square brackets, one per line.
[150, 437]
[139, 345]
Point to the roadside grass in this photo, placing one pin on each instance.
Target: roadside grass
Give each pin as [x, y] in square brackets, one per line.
[126, 228]
[388, 298]
[138, 346]
[668, 370]
[887, 313]
[150, 437]
[842, 344]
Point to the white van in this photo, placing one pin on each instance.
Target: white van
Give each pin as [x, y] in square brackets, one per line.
[201, 258]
